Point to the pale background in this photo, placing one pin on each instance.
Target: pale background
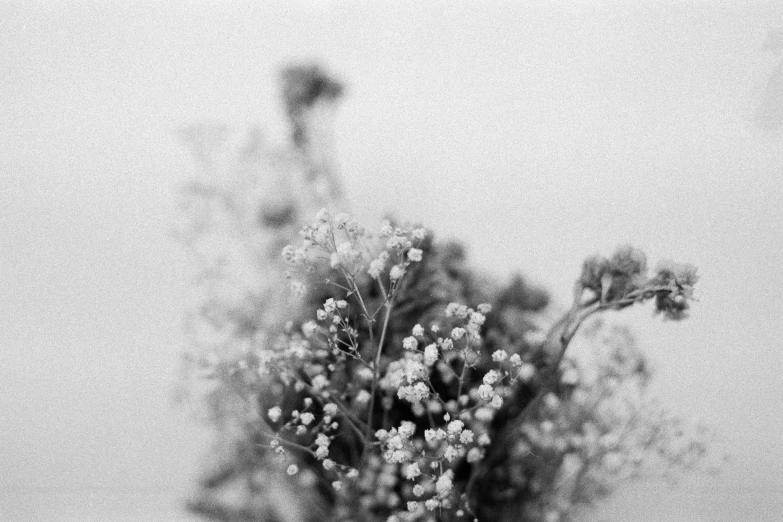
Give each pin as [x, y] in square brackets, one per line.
[538, 134]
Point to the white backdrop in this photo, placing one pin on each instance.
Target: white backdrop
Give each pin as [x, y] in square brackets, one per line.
[538, 134]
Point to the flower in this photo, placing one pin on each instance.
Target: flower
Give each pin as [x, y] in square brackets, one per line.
[457, 333]
[337, 485]
[396, 272]
[430, 354]
[410, 343]
[499, 356]
[418, 331]
[274, 413]
[412, 471]
[455, 427]
[292, 469]
[491, 377]
[485, 391]
[414, 254]
[309, 328]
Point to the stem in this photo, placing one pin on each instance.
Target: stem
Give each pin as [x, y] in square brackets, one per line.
[377, 372]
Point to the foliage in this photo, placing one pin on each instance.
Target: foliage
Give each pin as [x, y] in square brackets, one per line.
[393, 382]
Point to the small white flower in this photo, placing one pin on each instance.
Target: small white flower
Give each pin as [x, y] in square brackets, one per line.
[292, 469]
[274, 413]
[474, 455]
[497, 401]
[484, 308]
[485, 392]
[412, 471]
[418, 490]
[307, 418]
[515, 360]
[527, 371]
[457, 333]
[352, 474]
[443, 485]
[328, 464]
[418, 331]
[414, 254]
[455, 427]
[491, 377]
[466, 437]
[410, 343]
[309, 328]
[337, 485]
[396, 272]
[330, 409]
[418, 233]
[412, 506]
[430, 354]
[499, 355]
[431, 504]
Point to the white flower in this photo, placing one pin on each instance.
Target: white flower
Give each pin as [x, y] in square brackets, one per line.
[418, 490]
[451, 453]
[352, 474]
[484, 440]
[396, 272]
[337, 485]
[328, 464]
[418, 233]
[457, 333]
[466, 437]
[342, 303]
[330, 305]
[330, 409]
[410, 343]
[515, 360]
[431, 504]
[526, 372]
[274, 413]
[497, 401]
[414, 254]
[418, 331]
[292, 469]
[484, 308]
[429, 435]
[362, 397]
[499, 355]
[320, 382]
[309, 328]
[412, 471]
[412, 506]
[491, 377]
[474, 455]
[322, 452]
[455, 427]
[406, 429]
[430, 354]
[485, 392]
[443, 485]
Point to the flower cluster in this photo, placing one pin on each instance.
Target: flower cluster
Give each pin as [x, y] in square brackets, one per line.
[402, 414]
